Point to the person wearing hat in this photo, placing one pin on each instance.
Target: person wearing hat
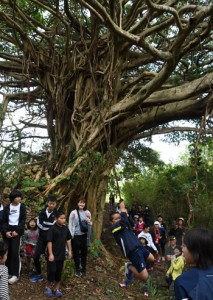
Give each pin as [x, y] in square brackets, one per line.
[13, 223]
[169, 251]
[156, 237]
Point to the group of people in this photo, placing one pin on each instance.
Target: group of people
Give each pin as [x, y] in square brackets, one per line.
[192, 247]
[141, 245]
[44, 234]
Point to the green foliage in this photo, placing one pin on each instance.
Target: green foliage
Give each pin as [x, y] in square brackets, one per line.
[136, 158]
[166, 192]
[29, 184]
[96, 248]
[68, 270]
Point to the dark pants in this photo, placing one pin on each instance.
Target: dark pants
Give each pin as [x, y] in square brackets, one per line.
[54, 270]
[40, 249]
[13, 261]
[79, 249]
[162, 245]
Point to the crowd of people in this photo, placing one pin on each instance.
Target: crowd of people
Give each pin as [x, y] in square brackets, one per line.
[44, 234]
[145, 245]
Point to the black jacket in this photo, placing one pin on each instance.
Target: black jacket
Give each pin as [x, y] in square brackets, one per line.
[124, 237]
[44, 222]
[21, 224]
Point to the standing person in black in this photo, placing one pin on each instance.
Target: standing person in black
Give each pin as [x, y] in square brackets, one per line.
[180, 231]
[146, 215]
[14, 217]
[163, 229]
[111, 201]
[58, 238]
[46, 219]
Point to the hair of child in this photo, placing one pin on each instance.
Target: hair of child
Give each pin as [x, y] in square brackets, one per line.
[28, 224]
[199, 242]
[59, 213]
[111, 215]
[51, 198]
[146, 226]
[14, 194]
[179, 248]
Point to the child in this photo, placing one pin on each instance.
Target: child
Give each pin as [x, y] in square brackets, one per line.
[139, 226]
[156, 236]
[13, 223]
[150, 244]
[175, 269]
[58, 238]
[130, 245]
[4, 292]
[197, 283]
[144, 241]
[46, 219]
[30, 240]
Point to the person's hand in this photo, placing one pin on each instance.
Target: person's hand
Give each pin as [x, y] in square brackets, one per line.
[9, 234]
[69, 254]
[51, 257]
[14, 234]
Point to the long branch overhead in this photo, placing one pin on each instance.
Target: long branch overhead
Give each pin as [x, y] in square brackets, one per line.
[120, 68]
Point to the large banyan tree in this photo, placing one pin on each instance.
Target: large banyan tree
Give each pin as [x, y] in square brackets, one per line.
[104, 73]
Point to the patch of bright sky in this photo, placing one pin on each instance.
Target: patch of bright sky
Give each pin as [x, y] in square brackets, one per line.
[169, 153]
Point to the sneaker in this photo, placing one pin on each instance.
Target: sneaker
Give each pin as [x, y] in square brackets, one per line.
[122, 285]
[146, 294]
[48, 292]
[13, 279]
[58, 293]
[32, 274]
[36, 278]
[83, 273]
[78, 273]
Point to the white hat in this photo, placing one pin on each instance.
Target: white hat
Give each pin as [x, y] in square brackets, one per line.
[156, 223]
[144, 237]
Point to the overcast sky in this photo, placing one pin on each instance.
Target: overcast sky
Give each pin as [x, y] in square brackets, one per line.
[168, 153]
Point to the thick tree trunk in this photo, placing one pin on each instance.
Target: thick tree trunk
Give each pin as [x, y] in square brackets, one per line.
[96, 196]
[88, 178]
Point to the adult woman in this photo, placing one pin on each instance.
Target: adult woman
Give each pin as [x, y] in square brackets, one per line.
[197, 283]
[79, 238]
